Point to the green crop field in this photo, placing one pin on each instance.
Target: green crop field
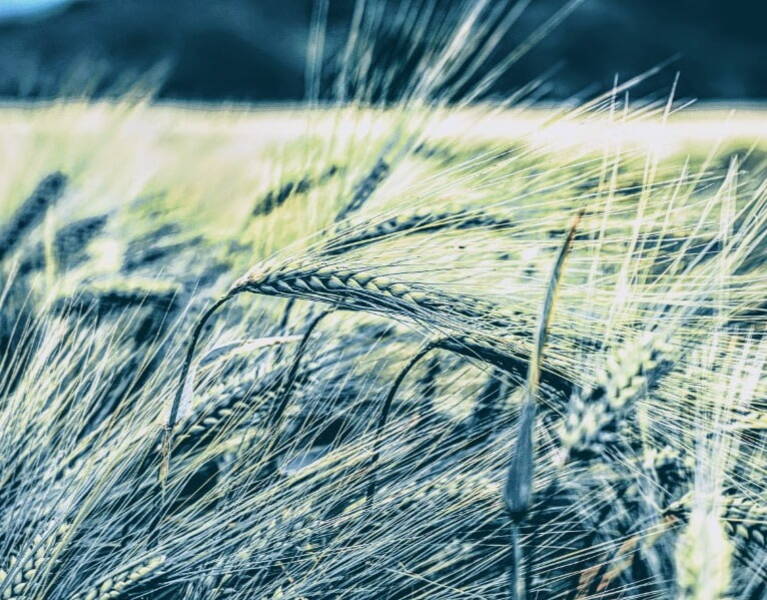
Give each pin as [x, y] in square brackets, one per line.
[416, 352]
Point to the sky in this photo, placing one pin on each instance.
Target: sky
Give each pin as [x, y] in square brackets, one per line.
[23, 8]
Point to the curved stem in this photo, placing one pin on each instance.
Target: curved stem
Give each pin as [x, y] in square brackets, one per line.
[283, 326]
[517, 583]
[286, 314]
[518, 496]
[284, 398]
[170, 423]
[386, 409]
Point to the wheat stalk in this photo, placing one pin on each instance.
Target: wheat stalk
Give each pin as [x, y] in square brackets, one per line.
[703, 557]
[31, 212]
[109, 297]
[745, 521]
[596, 414]
[141, 255]
[116, 584]
[361, 290]
[365, 188]
[69, 245]
[276, 198]
[358, 291]
[518, 490]
[420, 223]
[207, 421]
[23, 571]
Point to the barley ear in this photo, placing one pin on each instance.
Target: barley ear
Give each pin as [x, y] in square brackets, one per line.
[31, 212]
[117, 584]
[518, 490]
[703, 555]
[366, 186]
[33, 563]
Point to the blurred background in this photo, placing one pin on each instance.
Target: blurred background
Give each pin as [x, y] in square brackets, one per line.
[255, 50]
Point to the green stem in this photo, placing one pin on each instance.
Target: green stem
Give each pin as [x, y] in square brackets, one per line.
[384, 416]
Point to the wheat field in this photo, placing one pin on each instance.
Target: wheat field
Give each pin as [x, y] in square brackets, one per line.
[343, 351]
[350, 422]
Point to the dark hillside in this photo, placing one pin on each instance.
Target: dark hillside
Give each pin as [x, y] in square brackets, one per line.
[255, 49]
